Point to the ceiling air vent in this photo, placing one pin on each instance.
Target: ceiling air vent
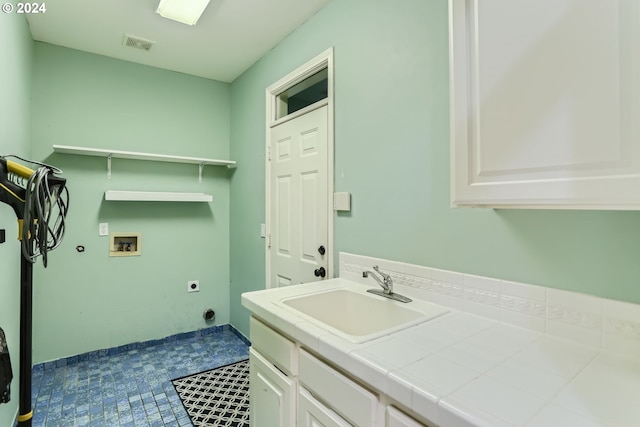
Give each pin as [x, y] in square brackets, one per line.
[137, 42]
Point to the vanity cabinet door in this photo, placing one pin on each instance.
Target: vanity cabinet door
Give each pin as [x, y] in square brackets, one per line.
[272, 394]
[312, 413]
[545, 100]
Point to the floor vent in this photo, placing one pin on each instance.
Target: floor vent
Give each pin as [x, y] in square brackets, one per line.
[137, 42]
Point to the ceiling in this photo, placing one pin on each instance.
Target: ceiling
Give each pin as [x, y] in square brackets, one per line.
[230, 36]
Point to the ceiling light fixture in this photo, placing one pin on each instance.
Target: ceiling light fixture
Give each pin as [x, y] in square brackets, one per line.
[185, 11]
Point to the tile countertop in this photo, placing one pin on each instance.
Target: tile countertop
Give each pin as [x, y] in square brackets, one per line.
[463, 370]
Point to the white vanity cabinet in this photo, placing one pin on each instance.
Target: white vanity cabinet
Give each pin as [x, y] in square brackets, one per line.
[545, 101]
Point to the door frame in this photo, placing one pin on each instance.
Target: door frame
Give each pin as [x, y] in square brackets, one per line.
[325, 59]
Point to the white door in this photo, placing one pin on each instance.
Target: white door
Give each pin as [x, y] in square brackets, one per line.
[299, 199]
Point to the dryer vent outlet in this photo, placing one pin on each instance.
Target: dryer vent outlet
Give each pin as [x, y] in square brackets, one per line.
[209, 315]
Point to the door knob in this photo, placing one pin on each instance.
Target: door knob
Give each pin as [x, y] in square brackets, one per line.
[322, 250]
[320, 272]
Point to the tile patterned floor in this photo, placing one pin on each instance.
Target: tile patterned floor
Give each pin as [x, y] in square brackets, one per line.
[129, 386]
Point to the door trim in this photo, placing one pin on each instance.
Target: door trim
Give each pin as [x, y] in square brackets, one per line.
[325, 59]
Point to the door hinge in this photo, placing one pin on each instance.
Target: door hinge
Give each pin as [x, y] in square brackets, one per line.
[268, 152]
[269, 241]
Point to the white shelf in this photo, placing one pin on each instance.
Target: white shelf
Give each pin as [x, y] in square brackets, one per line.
[156, 196]
[133, 155]
[119, 154]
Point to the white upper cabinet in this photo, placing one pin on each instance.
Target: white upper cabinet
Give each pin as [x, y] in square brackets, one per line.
[545, 103]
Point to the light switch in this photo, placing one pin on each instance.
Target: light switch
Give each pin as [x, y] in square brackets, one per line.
[342, 201]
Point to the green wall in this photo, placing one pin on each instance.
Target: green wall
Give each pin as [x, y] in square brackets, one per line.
[16, 62]
[392, 154]
[87, 300]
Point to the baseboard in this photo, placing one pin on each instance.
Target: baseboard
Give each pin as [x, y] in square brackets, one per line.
[93, 355]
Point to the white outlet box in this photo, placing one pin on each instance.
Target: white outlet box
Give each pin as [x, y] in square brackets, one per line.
[193, 286]
[103, 229]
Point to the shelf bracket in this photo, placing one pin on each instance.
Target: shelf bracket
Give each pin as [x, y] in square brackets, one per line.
[109, 166]
[200, 166]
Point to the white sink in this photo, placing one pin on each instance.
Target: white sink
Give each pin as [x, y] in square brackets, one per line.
[358, 316]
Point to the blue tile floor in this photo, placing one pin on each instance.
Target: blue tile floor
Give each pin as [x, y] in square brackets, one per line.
[129, 386]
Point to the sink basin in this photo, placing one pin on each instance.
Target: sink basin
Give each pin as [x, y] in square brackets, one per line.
[358, 316]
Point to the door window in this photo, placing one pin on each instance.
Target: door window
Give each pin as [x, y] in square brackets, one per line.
[309, 91]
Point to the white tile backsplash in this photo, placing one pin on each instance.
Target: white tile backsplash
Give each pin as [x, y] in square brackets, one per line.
[490, 287]
[482, 296]
[584, 311]
[418, 270]
[524, 305]
[447, 276]
[621, 327]
[575, 316]
[585, 319]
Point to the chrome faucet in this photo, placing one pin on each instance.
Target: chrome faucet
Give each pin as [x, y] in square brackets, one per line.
[387, 285]
[386, 282]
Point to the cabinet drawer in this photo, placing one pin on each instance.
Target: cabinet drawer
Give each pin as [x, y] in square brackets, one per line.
[347, 398]
[278, 349]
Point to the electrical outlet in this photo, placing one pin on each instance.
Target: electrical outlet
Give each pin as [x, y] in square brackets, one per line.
[193, 286]
[103, 229]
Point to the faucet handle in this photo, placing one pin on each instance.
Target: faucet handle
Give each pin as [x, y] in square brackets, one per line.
[384, 275]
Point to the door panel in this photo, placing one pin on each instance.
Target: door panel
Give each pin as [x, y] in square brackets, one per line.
[299, 198]
[283, 227]
[282, 281]
[309, 215]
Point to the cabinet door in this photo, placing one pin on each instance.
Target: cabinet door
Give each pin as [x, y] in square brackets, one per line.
[272, 394]
[312, 413]
[545, 99]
